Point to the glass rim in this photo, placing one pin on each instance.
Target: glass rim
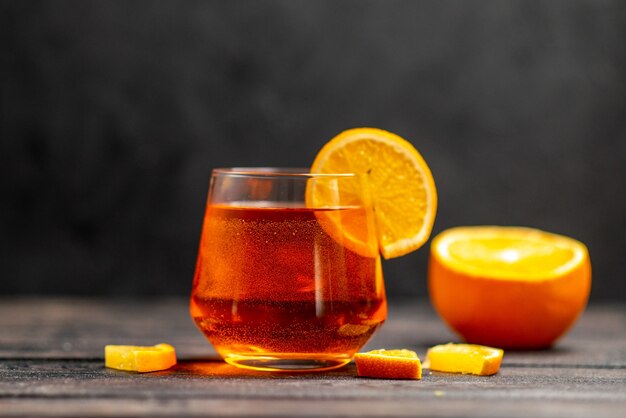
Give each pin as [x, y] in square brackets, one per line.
[268, 172]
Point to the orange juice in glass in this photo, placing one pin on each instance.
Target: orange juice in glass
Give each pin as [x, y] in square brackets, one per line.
[286, 280]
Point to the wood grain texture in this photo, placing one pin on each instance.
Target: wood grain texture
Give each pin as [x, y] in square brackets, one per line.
[51, 365]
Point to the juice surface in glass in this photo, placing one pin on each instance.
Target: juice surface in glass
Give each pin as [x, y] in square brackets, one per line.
[274, 290]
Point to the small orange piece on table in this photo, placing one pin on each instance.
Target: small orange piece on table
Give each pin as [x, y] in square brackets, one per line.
[139, 358]
[465, 358]
[508, 287]
[389, 364]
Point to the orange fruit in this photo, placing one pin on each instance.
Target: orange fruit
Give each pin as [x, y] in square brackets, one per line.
[389, 364]
[402, 188]
[139, 358]
[464, 358]
[508, 287]
[353, 227]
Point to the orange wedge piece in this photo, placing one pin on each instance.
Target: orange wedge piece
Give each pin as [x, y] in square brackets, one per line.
[465, 358]
[508, 287]
[401, 184]
[389, 364]
[138, 358]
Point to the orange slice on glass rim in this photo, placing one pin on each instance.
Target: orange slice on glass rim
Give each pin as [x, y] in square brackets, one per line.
[400, 182]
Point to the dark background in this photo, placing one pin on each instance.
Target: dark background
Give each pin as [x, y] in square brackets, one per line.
[114, 113]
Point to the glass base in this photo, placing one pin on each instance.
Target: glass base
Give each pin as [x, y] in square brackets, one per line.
[287, 362]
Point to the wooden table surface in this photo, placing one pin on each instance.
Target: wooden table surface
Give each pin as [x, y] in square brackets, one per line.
[51, 364]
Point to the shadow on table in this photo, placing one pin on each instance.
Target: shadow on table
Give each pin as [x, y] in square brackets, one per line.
[216, 367]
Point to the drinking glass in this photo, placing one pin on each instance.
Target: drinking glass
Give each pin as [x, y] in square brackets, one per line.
[288, 276]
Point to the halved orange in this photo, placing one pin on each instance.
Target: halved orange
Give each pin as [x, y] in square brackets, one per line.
[139, 358]
[464, 358]
[389, 364]
[401, 184]
[508, 287]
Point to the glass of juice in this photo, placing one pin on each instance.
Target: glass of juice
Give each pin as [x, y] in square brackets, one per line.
[288, 276]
